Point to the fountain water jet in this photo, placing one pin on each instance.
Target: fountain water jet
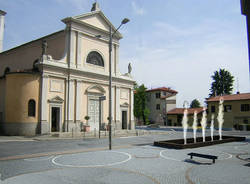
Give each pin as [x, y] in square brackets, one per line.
[185, 125]
[204, 123]
[195, 125]
[220, 117]
[212, 127]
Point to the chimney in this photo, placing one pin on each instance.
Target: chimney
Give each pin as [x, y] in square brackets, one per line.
[95, 7]
[2, 14]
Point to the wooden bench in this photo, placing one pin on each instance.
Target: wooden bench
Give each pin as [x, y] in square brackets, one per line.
[212, 157]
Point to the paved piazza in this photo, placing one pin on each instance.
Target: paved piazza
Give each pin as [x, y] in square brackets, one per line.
[138, 164]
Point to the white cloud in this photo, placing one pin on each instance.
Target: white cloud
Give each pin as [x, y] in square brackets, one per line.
[137, 10]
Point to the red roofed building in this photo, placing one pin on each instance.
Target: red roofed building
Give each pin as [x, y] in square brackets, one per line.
[236, 110]
[159, 102]
[175, 116]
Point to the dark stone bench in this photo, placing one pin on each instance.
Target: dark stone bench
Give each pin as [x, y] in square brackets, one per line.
[212, 157]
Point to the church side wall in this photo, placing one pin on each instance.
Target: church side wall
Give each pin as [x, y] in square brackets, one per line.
[2, 101]
[21, 87]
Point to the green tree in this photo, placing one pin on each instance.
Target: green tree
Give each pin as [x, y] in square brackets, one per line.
[195, 104]
[140, 97]
[222, 83]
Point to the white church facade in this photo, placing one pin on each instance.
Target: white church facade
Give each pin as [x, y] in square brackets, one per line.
[53, 83]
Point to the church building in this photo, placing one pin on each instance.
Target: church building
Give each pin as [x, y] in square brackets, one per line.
[53, 84]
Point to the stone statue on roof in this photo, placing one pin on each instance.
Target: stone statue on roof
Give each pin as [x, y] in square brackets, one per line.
[129, 68]
[44, 47]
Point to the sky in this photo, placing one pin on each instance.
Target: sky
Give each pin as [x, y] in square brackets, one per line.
[171, 43]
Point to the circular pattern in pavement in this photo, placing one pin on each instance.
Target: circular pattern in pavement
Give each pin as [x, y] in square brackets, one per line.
[181, 155]
[92, 159]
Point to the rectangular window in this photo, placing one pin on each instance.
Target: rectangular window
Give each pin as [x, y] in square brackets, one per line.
[227, 108]
[158, 107]
[157, 95]
[212, 108]
[245, 107]
[164, 93]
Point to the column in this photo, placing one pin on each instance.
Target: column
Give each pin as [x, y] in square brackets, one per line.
[44, 124]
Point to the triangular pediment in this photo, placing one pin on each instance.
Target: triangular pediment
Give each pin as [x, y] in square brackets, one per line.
[97, 19]
[56, 99]
[96, 89]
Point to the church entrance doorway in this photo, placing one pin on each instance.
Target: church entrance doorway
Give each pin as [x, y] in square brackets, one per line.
[55, 119]
[124, 119]
[94, 114]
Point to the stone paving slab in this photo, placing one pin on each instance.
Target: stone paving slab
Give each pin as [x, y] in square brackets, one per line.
[139, 164]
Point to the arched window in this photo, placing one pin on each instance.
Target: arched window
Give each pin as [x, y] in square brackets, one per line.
[95, 58]
[7, 70]
[32, 108]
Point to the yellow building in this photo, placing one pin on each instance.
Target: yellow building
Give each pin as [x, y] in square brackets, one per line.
[236, 110]
[54, 82]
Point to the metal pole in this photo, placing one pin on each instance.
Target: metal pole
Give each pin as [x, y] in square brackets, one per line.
[100, 118]
[110, 87]
[248, 38]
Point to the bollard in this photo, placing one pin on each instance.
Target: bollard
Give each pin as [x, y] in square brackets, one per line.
[95, 132]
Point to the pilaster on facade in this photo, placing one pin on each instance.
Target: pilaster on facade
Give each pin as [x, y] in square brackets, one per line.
[44, 124]
[71, 99]
[118, 111]
[78, 50]
[78, 101]
[113, 103]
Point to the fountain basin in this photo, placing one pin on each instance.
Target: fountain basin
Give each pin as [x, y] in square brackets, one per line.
[179, 143]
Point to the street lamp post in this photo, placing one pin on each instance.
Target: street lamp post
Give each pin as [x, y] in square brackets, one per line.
[124, 21]
[245, 10]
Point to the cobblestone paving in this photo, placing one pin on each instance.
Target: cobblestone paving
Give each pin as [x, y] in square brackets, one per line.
[139, 164]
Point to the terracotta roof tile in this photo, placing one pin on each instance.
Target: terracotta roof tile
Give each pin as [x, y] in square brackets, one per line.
[243, 96]
[163, 89]
[181, 110]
